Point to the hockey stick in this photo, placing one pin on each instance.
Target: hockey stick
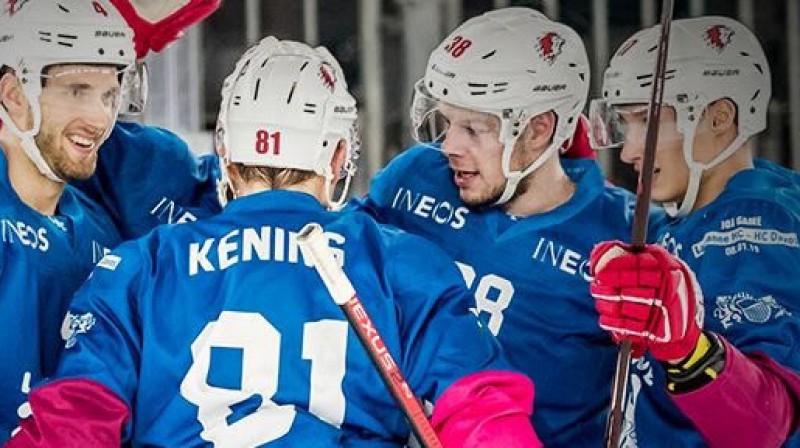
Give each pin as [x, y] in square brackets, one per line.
[314, 245]
[619, 389]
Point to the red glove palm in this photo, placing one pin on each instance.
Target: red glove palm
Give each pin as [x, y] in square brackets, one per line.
[650, 298]
[154, 33]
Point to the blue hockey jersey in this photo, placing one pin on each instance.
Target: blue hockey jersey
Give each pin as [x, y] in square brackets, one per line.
[147, 176]
[43, 261]
[744, 249]
[529, 277]
[218, 330]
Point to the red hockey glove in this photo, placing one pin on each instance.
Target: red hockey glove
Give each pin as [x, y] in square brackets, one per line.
[650, 298]
[578, 147]
[156, 24]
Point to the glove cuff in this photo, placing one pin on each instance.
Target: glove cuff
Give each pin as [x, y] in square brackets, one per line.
[701, 367]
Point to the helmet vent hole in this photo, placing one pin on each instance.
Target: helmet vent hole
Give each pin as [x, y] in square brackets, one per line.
[255, 91]
[745, 54]
[66, 40]
[310, 108]
[291, 92]
[237, 100]
[572, 65]
[99, 51]
[122, 53]
[752, 110]
[582, 76]
[759, 68]
[652, 49]
[324, 143]
[617, 93]
[489, 54]
[444, 91]
[755, 95]
[62, 7]
[303, 67]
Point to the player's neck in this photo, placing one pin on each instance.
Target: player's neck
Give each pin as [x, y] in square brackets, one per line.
[715, 179]
[313, 186]
[33, 188]
[545, 189]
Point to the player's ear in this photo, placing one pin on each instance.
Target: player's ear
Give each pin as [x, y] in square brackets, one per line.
[234, 176]
[339, 158]
[12, 97]
[721, 115]
[540, 130]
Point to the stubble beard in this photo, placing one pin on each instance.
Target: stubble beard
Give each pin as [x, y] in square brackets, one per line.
[58, 159]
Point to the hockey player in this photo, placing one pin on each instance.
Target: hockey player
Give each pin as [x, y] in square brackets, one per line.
[219, 331]
[147, 175]
[718, 372]
[60, 87]
[508, 88]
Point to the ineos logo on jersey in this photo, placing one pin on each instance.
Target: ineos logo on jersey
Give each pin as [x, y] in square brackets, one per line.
[567, 260]
[244, 245]
[17, 232]
[428, 207]
[167, 211]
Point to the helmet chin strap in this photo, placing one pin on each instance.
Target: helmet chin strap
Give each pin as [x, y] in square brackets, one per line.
[676, 210]
[225, 192]
[513, 178]
[29, 144]
[336, 205]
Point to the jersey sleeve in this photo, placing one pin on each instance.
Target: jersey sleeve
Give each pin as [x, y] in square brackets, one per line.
[453, 361]
[103, 343]
[147, 176]
[747, 263]
[443, 339]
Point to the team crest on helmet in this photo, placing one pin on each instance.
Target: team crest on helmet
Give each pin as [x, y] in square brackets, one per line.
[327, 76]
[549, 46]
[13, 6]
[718, 37]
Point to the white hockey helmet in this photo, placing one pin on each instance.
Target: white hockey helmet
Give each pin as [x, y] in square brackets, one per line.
[37, 34]
[286, 105]
[513, 63]
[709, 58]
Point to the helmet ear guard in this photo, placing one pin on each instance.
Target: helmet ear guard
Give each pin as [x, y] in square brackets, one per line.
[286, 105]
[513, 63]
[710, 58]
[35, 35]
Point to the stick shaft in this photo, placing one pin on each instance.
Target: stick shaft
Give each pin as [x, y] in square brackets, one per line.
[315, 247]
[619, 389]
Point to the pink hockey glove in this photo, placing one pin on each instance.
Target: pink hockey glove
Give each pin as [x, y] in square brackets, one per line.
[650, 298]
[156, 24]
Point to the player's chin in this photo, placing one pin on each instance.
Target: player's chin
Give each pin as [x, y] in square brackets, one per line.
[477, 198]
[81, 171]
[663, 195]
